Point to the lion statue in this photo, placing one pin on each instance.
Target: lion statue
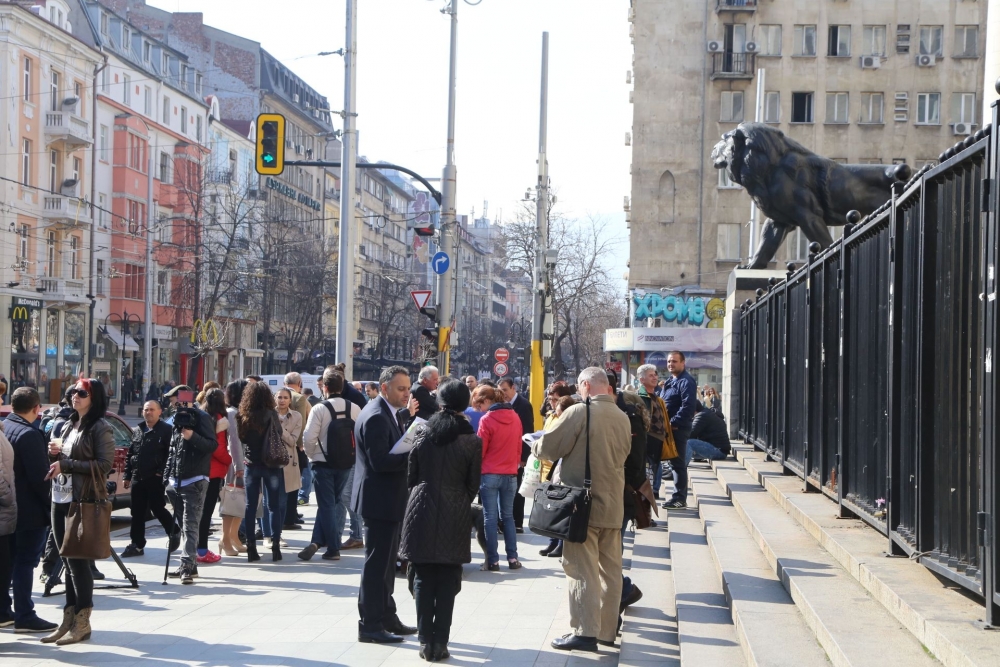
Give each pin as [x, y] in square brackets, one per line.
[794, 187]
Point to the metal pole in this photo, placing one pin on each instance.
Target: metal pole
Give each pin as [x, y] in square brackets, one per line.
[147, 340]
[537, 387]
[345, 263]
[759, 118]
[446, 303]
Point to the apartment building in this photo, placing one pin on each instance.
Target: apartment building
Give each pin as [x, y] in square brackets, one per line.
[46, 178]
[855, 81]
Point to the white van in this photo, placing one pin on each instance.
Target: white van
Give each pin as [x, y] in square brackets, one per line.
[276, 382]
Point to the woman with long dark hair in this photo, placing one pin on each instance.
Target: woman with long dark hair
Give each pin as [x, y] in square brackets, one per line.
[254, 422]
[214, 404]
[86, 453]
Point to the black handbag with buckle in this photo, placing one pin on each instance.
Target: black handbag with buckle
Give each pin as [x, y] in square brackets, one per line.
[563, 512]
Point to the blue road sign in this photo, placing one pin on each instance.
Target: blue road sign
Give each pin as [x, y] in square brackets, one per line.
[440, 263]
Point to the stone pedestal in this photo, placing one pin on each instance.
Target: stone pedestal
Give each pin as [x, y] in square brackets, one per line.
[743, 285]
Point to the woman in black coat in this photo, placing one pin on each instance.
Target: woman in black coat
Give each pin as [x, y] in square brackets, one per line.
[443, 477]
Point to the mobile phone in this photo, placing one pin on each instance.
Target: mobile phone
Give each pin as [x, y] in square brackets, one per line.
[185, 396]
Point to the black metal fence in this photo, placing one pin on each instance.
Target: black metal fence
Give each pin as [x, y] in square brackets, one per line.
[868, 371]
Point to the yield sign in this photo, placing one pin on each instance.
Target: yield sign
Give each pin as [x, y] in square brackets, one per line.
[421, 297]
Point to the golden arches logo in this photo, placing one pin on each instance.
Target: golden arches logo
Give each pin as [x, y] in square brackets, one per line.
[205, 332]
[19, 314]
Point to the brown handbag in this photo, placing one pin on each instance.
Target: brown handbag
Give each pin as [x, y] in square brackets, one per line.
[88, 526]
[645, 505]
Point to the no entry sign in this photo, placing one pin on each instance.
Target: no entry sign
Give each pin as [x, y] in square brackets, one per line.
[502, 354]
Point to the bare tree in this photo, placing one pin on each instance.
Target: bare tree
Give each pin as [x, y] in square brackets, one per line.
[386, 302]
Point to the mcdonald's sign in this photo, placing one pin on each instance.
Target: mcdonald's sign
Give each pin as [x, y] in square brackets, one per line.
[19, 314]
[20, 308]
[204, 332]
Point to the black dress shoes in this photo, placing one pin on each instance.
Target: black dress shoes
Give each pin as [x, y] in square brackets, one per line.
[398, 628]
[378, 637]
[573, 642]
[440, 652]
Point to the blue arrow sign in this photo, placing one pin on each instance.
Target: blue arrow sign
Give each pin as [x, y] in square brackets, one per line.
[440, 263]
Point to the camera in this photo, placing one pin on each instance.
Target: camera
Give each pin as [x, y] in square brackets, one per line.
[185, 418]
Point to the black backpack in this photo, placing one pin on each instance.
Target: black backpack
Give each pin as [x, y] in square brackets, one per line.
[340, 450]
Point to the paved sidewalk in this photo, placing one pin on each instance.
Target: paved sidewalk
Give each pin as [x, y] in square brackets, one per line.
[301, 614]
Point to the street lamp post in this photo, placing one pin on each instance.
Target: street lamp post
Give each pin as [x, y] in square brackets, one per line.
[124, 321]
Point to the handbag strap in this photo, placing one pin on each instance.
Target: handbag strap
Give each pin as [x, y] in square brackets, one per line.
[586, 469]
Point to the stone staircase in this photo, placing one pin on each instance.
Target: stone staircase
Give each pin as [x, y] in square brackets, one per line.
[755, 572]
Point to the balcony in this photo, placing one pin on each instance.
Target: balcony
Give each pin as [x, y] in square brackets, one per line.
[67, 128]
[62, 289]
[62, 210]
[219, 176]
[730, 65]
[736, 6]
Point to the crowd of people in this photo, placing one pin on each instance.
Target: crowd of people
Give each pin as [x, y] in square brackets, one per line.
[417, 465]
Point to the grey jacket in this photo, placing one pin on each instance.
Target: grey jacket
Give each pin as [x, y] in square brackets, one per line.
[8, 497]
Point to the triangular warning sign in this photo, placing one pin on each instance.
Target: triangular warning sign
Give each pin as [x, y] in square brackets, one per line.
[421, 297]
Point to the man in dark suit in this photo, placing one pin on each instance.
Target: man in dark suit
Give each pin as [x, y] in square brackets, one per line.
[379, 496]
[523, 410]
[427, 382]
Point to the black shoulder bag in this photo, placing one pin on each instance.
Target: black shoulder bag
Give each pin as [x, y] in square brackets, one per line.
[563, 512]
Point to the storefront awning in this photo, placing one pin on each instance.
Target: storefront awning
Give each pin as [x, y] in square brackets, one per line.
[253, 353]
[115, 336]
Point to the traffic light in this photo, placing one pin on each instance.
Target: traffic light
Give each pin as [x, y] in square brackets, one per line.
[519, 354]
[433, 334]
[426, 230]
[270, 144]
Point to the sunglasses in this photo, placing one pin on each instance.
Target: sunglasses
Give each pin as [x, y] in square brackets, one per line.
[82, 393]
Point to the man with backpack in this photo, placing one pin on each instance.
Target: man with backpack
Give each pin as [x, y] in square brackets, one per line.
[329, 443]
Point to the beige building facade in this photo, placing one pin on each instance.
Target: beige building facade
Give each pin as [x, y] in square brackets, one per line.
[855, 81]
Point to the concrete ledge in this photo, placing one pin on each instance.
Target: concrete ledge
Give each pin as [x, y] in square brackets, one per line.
[941, 617]
[649, 630]
[770, 630]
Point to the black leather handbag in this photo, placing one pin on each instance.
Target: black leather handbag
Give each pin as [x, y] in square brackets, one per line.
[563, 512]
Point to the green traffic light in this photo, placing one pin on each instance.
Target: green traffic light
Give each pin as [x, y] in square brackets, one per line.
[268, 158]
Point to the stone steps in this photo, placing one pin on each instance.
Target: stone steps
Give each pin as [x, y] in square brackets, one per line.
[649, 630]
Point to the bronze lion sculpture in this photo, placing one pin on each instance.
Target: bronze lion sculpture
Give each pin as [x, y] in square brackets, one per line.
[794, 187]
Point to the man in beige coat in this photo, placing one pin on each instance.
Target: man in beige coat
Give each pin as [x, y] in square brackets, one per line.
[594, 568]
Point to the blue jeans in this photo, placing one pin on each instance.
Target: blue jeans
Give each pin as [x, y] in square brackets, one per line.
[680, 465]
[497, 493]
[270, 481]
[330, 509]
[703, 450]
[26, 550]
[307, 484]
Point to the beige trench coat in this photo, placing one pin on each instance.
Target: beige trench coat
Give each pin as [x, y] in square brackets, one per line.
[291, 431]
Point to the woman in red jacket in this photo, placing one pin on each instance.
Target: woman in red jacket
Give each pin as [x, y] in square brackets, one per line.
[215, 405]
[500, 430]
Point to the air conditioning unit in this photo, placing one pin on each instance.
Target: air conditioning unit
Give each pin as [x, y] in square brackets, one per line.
[628, 203]
[751, 47]
[870, 62]
[295, 97]
[926, 61]
[628, 138]
[962, 129]
[714, 46]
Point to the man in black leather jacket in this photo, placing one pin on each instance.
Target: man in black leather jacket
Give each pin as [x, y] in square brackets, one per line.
[147, 459]
[186, 477]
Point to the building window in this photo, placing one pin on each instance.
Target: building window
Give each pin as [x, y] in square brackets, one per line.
[102, 207]
[873, 40]
[22, 244]
[74, 257]
[104, 23]
[77, 168]
[931, 42]
[871, 107]
[772, 107]
[54, 91]
[802, 107]
[126, 38]
[732, 106]
[104, 143]
[166, 111]
[26, 162]
[966, 41]
[724, 181]
[839, 45]
[53, 171]
[27, 79]
[184, 77]
[100, 276]
[184, 120]
[164, 167]
[134, 284]
[197, 83]
[928, 108]
[728, 242]
[105, 80]
[127, 89]
[147, 101]
[798, 246]
[837, 108]
[197, 128]
[770, 40]
[963, 108]
[147, 50]
[162, 287]
[805, 40]
[50, 255]
[78, 94]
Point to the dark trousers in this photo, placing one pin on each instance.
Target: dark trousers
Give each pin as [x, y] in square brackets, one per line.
[519, 501]
[291, 507]
[211, 499]
[680, 466]
[378, 575]
[148, 494]
[6, 565]
[79, 578]
[25, 551]
[435, 588]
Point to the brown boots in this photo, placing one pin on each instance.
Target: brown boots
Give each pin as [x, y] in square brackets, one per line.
[77, 626]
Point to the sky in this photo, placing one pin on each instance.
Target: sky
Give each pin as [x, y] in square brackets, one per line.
[402, 90]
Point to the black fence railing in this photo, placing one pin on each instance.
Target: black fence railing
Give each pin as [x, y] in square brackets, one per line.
[868, 371]
[729, 64]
